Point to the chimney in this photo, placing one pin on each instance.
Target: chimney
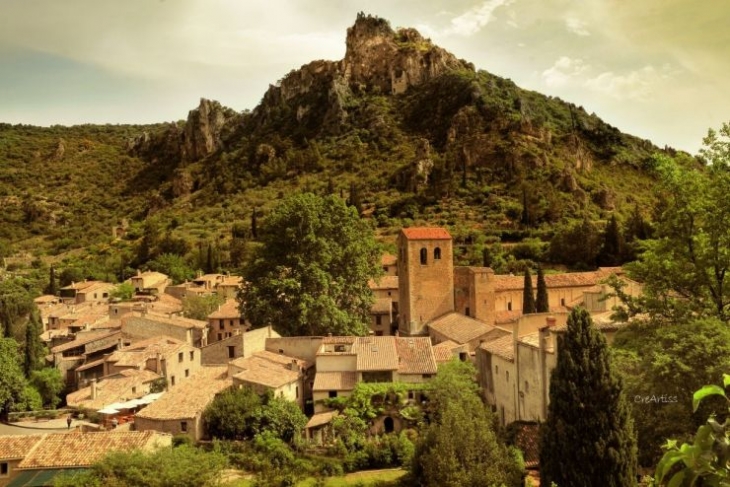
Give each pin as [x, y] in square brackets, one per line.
[550, 321]
[158, 364]
[294, 366]
[93, 389]
[120, 345]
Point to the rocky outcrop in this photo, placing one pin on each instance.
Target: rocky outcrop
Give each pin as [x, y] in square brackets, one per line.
[199, 137]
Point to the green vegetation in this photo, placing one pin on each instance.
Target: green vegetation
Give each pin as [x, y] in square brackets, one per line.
[12, 380]
[310, 276]
[199, 307]
[588, 437]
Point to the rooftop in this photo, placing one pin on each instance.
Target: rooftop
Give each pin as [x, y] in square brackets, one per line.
[426, 233]
[16, 447]
[384, 282]
[191, 396]
[228, 310]
[388, 259]
[335, 381]
[113, 388]
[137, 353]
[460, 328]
[376, 353]
[382, 306]
[444, 351]
[415, 355]
[86, 339]
[321, 419]
[501, 347]
[83, 449]
[268, 369]
[568, 279]
[170, 320]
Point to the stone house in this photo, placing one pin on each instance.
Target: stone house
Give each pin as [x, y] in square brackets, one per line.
[150, 283]
[389, 262]
[37, 459]
[123, 386]
[226, 321]
[150, 325]
[86, 292]
[463, 330]
[238, 345]
[264, 371]
[384, 312]
[84, 349]
[180, 410]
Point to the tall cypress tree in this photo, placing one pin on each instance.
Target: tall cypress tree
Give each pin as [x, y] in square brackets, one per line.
[612, 248]
[543, 304]
[51, 288]
[588, 437]
[33, 349]
[528, 297]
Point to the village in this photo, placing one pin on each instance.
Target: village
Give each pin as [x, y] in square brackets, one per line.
[145, 373]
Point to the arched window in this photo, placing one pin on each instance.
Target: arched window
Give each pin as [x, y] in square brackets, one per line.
[437, 253]
[424, 256]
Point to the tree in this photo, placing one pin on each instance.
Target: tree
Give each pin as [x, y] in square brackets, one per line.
[233, 414]
[612, 249]
[15, 304]
[199, 307]
[460, 447]
[254, 225]
[174, 266]
[283, 418]
[662, 364]
[33, 348]
[355, 200]
[528, 297]
[12, 381]
[310, 276]
[49, 383]
[123, 292]
[686, 265]
[588, 437]
[576, 244]
[51, 288]
[542, 305]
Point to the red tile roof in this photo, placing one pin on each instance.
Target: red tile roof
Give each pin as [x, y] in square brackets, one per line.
[501, 347]
[460, 328]
[335, 381]
[415, 355]
[444, 351]
[81, 450]
[426, 233]
[17, 447]
[375, 353]
[388, 259]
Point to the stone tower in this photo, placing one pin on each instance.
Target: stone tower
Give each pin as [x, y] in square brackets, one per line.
[426, 277]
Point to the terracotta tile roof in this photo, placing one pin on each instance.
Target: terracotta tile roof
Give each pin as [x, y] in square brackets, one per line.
[501, 347]
[388, 259]
[339, 340]
[426, 233]
[228, 310]
[188, 399]
[172, 320]
[527, 439]
[46, 299]
[84, 341]
[86, 286]
[460, 328]
[81, 450]
[444, 351]
[415, 355]
[150, 279]
[334, 381]
[113, 388]
[268, 369]
[382, 306]
[91, 365]
[384, 282]
[17, 446]
[320, 419]
[531, 339]
[568, 279]
[375, 353]
[136, 354]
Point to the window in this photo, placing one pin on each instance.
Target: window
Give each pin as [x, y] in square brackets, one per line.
[187, 372]
[467, 311]
[134, 390]
[388, 293]
[509, 306]
[105, 295]
[527, 387]
[562, 301]
[172, 380]
[297, 392]
[426, 376]
[424, 256]
[378, 333]
[507, 374]
[180, 357]
[496, 369]
[192, 355]
[231, 351]
[94, 295]
[4, 469]
[220, 336]
[437, 253]
[221, 324]
[184, 426]
[385, 268]
[333, 394]
[378, 320]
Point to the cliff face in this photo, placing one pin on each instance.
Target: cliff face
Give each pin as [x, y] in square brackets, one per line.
[199, 137]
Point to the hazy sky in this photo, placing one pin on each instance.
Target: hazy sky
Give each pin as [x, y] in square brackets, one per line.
[658, 69]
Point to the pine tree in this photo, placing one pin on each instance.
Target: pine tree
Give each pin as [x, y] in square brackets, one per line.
[542, 305]
[355, 198]
[612, 248]
[528, 298]
[588, 437]
[51, 288]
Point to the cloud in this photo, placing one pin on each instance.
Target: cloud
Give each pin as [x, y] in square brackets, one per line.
[639, 85]
[472, 21]
[564, 69]
[576, 26]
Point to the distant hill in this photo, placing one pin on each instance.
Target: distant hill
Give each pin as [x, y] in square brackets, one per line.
[417, 134]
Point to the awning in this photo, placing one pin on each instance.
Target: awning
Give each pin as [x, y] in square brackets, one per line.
[41, 478]
[108, 410]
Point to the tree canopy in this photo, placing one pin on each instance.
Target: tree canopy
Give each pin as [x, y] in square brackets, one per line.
[12, 381]
[310, 276]
[588, 437]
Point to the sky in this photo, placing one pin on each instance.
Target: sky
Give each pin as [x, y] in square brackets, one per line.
[658, 69]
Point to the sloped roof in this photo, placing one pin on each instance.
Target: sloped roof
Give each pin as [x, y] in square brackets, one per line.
[137, 353]
[228, 310]
[80, 450]
[382, 306]
[83, 341]
[334, 381]
[384, 282]
[375, 353]
[568, 279]
[112, 389]
[17, 446]
[191, 396]
[268, 369]
[415, 355]
[388, 259]
[320, 419]
[444, 351]
[527, 436]
[426, 233]
[460, 328]
[171, 320]
[501, 347]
